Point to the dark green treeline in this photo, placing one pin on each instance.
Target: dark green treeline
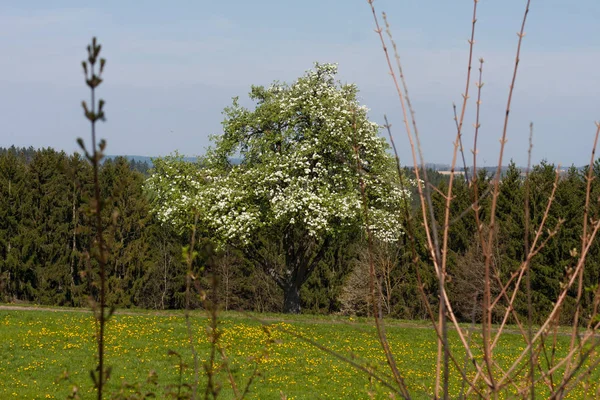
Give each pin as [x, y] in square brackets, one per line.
[46, 233]
[551, 267]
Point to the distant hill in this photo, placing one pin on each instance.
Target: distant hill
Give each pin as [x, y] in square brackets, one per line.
[27, 153]
[144, 159]
[148, 160]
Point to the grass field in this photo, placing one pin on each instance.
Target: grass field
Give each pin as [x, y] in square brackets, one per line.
[39, 346]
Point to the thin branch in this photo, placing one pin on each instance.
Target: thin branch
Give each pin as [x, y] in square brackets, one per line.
[188, 323]
[558, 304]
[584, 238]
[528, 272]
[376, 299]
[415, 260]
[487, 320]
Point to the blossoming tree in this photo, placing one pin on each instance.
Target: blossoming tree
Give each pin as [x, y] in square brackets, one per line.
[302, 152]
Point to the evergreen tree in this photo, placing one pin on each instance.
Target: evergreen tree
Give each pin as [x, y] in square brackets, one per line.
[127, 215]
[12, 192]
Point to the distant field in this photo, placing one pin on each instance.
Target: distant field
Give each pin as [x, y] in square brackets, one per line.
[38, 346]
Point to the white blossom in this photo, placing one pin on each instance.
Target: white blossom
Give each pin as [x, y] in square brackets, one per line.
[299, 167]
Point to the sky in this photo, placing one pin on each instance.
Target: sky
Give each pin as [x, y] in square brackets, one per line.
[173, 66]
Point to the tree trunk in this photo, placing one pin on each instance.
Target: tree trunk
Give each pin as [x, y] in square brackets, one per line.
[291, 299]
[301, 257]
[74, 248]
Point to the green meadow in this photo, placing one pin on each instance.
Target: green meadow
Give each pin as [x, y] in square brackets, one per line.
[45, 353]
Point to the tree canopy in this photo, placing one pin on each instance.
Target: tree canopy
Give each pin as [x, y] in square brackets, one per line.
[303, 151]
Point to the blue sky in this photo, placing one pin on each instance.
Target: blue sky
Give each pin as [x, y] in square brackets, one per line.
[173, 66]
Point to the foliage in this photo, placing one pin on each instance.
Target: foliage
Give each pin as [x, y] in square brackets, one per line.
[303, 150]
[45, 232]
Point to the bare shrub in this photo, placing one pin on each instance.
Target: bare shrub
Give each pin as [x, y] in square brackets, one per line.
[355, 297]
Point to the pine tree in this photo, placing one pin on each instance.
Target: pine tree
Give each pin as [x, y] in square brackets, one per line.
[12, 191]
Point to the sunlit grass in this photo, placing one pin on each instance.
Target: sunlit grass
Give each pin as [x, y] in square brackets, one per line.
[37, 347]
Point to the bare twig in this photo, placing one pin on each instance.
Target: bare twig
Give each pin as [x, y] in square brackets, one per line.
[461, 148]
[528, 272]
[189, 258]
[584, 238]
[423, 187]
[377, 299]
[487, 320]
[444, 252]
[558, 304]
[415, 259]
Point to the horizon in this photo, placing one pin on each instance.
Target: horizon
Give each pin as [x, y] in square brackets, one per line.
[171, 70]
[429, 164]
